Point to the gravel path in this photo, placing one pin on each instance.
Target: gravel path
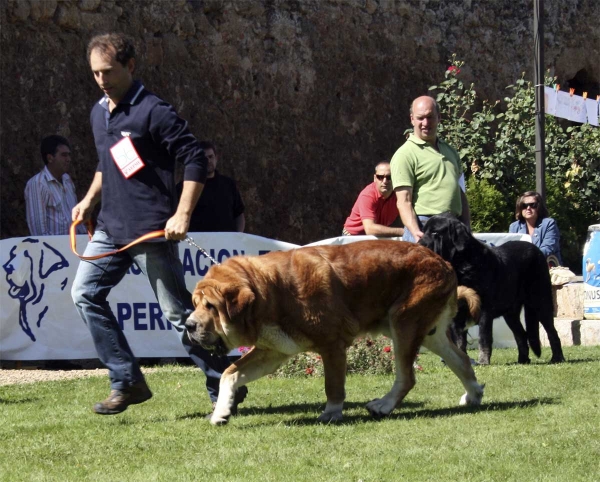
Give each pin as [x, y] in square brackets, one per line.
[16, 376]
[13, 377]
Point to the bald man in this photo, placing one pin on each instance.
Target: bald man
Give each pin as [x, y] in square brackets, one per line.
[426, 173]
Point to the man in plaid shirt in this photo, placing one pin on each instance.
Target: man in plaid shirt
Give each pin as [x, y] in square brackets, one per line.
[50, 195]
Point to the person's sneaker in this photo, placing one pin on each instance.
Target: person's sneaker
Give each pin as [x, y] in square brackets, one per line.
[119, 400]
[240, 396]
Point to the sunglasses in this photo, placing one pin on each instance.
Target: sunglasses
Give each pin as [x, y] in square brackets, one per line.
[529, 205]
[381, 177]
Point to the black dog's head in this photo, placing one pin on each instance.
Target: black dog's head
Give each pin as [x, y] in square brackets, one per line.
[446, 236]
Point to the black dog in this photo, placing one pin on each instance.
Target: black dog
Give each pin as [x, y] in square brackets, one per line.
[506, 277]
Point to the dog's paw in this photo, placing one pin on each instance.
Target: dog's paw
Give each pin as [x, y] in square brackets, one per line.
[219, 420]
[474, 399]
[557, 359]
[330, 417]
[220, 416]
[379, 407]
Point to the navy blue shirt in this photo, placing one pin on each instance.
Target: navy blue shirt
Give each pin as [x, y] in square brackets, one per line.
[218, 207]
[144, 202]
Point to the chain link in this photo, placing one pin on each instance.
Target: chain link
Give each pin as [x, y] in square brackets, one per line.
[202, 250]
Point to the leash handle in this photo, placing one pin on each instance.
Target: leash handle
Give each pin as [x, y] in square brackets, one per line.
[141, 239]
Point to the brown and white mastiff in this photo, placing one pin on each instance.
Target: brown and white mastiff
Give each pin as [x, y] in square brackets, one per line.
[320, 299]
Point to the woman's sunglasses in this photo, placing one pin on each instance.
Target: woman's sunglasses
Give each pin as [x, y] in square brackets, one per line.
[529, 205]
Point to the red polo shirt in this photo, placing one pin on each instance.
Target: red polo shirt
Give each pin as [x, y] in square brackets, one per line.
[371, 205]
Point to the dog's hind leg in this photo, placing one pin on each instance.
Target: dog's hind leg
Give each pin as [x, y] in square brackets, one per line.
[439, 343]
[539, 308]
[406, 346]
[458, 334]
[486, 338]
[513, 321]
[458, 330]
[334, 364]
[555, 344]
[546, 318]
[252, 366]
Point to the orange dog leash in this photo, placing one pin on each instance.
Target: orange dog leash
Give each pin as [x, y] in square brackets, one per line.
[141, 239]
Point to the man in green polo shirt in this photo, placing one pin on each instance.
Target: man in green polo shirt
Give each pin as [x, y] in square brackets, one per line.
[426, 173]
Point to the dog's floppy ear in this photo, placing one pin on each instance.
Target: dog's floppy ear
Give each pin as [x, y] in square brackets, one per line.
[238, 300]
[440, 236]
[204, 289]
[460, 235]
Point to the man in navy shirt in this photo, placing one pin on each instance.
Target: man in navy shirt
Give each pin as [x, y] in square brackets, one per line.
[138, 138]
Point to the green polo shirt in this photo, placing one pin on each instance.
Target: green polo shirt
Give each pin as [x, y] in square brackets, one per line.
[432, 175]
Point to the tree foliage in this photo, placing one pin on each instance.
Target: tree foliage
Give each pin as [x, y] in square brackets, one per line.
[496, 142]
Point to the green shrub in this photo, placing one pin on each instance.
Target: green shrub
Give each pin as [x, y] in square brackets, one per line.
[497, 145]
[373, 356]
[490, 210]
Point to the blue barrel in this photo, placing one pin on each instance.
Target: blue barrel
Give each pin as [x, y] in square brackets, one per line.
[591, 274]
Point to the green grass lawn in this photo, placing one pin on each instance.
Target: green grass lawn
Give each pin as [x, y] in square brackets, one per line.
[538, 423]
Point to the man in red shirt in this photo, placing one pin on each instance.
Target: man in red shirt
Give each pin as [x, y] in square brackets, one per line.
[375, 210]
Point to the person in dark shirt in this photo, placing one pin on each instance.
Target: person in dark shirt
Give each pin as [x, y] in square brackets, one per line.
[220, 207]
[138, 138]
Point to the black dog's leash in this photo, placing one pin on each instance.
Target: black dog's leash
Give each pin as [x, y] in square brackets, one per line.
[201, 249]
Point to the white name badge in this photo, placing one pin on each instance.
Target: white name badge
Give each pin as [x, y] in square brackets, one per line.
[126, 157]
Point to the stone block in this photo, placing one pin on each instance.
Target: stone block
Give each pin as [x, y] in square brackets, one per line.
[568, 300]
[574, 332]
[590, 332]
[568, 332]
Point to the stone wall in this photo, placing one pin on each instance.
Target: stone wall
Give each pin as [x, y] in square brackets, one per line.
[303, 96]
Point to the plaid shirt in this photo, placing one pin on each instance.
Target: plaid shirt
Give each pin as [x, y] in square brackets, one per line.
[49, 204]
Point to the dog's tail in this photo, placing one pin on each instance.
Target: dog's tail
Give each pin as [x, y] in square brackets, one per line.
[532, 328]
[469, 305]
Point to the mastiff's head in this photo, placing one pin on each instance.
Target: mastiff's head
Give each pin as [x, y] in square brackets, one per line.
[447, 236]
[220, 321]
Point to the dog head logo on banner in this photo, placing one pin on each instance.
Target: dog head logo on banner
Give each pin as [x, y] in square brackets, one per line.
[31, 265]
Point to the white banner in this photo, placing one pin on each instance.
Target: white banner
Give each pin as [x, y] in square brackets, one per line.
[38, 320]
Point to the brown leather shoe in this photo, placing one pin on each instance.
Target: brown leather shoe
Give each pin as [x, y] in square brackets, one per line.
[240, 396]
[119, 400]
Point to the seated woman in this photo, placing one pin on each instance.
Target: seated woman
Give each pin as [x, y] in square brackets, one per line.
[532, 218]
